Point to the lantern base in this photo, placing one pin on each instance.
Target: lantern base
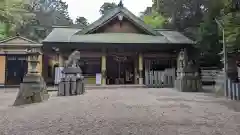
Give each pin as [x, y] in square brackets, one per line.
[32, 90]
[188, 80]
[188, 84]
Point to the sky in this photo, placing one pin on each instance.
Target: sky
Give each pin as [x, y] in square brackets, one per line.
[90, 8]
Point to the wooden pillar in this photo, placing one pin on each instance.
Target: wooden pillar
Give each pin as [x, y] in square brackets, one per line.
[60, 59]
[103, 68]
[2, 69]
[135, 71]
[140, 68]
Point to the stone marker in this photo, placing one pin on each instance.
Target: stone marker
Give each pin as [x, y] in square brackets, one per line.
[72, 82]
[33, 89]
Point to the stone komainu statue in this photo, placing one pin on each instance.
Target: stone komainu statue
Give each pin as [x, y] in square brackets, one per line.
[73, 60]
[72, 82]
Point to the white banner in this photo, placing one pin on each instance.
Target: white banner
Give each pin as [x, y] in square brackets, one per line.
[58, 75]
[98, 78]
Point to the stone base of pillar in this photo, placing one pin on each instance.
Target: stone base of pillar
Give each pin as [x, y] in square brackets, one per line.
[103, 81]
[141, 81]
[188, 83]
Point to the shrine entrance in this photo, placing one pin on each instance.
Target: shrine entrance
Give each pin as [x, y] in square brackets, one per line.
[120, 69]
[16, 68]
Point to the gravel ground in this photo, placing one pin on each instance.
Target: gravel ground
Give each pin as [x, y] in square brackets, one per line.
[122, 112]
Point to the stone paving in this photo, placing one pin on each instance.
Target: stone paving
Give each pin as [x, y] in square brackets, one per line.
[121, 112]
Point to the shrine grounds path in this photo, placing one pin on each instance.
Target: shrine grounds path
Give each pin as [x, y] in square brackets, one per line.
[122, 111]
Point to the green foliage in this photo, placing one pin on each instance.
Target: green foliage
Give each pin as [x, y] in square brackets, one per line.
[106, 7]
[82, 21]
[48, 13]
[196, 19]
[13, 14]
[2, 31]
[155, 20]
[231, 26]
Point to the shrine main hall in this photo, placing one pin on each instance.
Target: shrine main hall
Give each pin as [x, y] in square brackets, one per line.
[118, 48]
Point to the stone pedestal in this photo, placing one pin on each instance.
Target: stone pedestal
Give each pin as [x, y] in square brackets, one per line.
[72, 83]
[32, 90]
[188, 80]
[188, 84]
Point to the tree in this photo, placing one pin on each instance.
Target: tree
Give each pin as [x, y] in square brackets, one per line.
[184, 15]
[82, 21]
[2, 31]
[106, 7]
[231, 22]
[47, 14]
[195, 19]
[155, 20]
[13, 15]
[208, 39]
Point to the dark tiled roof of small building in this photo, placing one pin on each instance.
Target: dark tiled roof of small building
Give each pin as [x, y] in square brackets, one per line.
[175, 37]
[61, 34]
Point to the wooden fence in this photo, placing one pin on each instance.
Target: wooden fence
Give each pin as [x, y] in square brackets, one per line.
[159, 79]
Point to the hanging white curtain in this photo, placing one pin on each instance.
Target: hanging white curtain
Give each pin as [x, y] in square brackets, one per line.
[58, 75]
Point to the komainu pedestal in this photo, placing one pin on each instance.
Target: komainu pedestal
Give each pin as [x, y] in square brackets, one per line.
[72, 82]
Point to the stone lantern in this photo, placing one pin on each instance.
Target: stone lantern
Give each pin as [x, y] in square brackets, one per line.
[33, 88]
[33, 55]
[188, 78]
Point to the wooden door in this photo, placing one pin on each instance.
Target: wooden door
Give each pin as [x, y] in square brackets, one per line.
[16, 68]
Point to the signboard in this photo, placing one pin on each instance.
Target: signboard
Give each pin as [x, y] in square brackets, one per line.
[98, 78]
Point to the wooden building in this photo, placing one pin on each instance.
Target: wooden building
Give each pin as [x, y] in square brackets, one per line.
[119, 47]
[13, 59]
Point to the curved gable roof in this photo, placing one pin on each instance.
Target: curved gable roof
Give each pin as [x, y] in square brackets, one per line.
[113, 14]
[84, 35]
